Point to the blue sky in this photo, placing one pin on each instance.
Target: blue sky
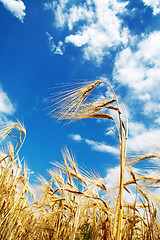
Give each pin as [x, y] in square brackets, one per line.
[45, 43]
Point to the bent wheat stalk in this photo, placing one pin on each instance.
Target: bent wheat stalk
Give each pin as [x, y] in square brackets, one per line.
[72, 105]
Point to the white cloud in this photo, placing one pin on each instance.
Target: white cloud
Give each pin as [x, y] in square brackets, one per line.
[6, 106]
[139, 70]
[140, 141]
[102, 147]
[95, 145]
[136, 128]
[113, 176]
[48, 6]
[16, 7]
[154, 4]
[76, 137]
[109, 131]
[157, 120]
[145, 97]
[59, 10]
[143, 140]
[151, 107]
[79, 13]
[112, 182]
[93, 18]
[52, 45]
[59, 49]
[60, 17]
[3, 119]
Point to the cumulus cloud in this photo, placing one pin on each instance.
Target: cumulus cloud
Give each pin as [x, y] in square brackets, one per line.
[145, 142]
[138, 68]
[142, 139]
[16, 7]
[154, 4]
[95, 145]
[157, 120]
[52, 45]
[56, 49]
[102, 147]
[113, 176]
[59, 49]
[136, 128]
[76, 137]
[6, 106]
[93, 18]
[112, 182]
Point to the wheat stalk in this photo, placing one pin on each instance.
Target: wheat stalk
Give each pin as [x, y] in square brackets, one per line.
[73, 107]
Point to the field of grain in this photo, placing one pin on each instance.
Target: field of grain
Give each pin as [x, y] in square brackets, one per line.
[75, 204]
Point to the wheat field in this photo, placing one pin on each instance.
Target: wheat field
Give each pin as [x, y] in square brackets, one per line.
[76, 204]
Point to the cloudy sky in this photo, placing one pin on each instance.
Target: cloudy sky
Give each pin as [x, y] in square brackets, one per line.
[46, 43]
